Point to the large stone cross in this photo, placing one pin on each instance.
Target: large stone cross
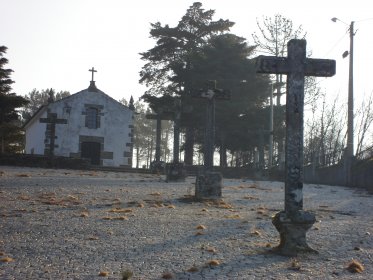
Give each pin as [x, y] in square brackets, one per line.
[51, 120]
[294, 222]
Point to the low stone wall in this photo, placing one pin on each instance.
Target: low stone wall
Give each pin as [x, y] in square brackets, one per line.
[43, 161]
[227, 172]
[362, 175]
[330, 175]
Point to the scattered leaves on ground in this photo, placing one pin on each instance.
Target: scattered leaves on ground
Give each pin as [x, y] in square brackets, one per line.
[156, 194]
[120, 210]
[355, 267]
[23, 175]
[103, 273]
[7, 259]
[201, 227]
[213, 262]
[211, 250]
[193, 269]
[256, 233]
[236, 216]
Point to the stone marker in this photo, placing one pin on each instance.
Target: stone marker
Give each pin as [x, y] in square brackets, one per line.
[209, 184]
[293, 222]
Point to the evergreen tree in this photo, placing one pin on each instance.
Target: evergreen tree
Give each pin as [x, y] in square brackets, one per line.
[11, 136]
[169, 69]
[226, 60]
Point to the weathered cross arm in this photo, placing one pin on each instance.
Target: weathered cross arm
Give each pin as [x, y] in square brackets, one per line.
[218, 94]
[271, 64]
[281, 65]
[51, 120]
[162, 116]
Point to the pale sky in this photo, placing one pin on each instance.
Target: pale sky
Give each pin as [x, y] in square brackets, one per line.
[53, 43]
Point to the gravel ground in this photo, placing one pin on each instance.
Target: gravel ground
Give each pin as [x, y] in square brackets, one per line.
[65, 224]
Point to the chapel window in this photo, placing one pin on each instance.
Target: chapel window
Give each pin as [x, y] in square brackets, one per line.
[92, 118]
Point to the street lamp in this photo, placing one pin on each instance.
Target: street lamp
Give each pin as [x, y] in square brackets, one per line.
[350, 114]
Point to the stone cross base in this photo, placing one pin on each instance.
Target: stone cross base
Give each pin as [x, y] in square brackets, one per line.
[175, 172]
[157, 167]
[208, 185]
[293, 232]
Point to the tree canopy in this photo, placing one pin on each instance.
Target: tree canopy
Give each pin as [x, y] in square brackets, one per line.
[37, 98]
[10, 132]
[185, 57]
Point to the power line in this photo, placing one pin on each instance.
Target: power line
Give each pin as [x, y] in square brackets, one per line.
[366, 19]
[339, 40]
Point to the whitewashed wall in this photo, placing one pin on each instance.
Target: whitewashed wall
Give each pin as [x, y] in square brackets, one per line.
[114, 127]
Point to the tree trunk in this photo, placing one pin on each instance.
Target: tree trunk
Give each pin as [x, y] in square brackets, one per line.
[189, 145]
[137, 157]
[2, 145]
[223, 152]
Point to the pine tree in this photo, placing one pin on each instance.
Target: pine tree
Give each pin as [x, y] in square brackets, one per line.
[11, 135]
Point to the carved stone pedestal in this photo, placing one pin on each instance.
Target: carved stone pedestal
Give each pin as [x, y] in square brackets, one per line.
[208, 185]
[175, 172]
[292, 229]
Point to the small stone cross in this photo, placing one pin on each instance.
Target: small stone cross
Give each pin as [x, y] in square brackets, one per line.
[211, 94]
[294, 222]
[93, 71]
[159, 116]
[51, 120]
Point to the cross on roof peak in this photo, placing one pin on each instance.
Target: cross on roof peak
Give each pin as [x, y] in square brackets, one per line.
[93, 71]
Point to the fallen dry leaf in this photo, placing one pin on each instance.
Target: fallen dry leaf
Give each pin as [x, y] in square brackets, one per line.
[213, 262]
[103, 273]
[156, 194]
[355, 267]
[193, 269]
[6, 259]
[121, 210]
[23, 175]
[232, 216]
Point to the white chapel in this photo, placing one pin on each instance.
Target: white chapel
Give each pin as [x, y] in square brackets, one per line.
[88, 124]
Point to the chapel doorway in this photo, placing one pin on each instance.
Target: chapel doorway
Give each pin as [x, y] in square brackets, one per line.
[91, 150]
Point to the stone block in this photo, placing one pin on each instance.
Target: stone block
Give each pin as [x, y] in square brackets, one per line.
[208, 185]
[175, 172]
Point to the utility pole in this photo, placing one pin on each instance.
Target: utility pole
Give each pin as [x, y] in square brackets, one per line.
[350, 117]
[270, 158]
[349, 153]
